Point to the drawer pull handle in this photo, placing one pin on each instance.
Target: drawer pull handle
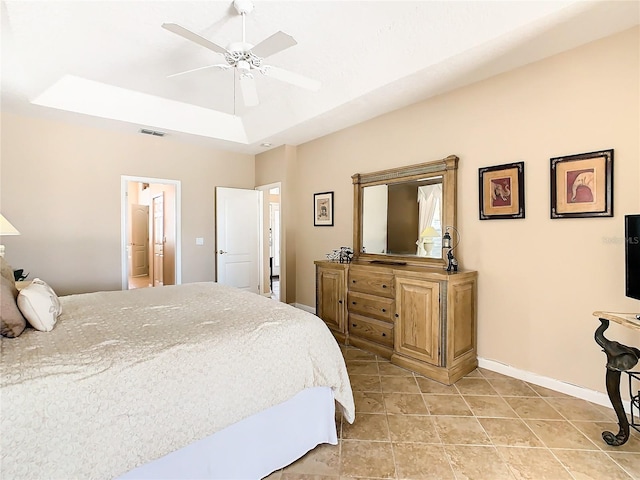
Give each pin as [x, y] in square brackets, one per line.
[384, 334]
[354, 324]
[384, 286]
[353, 281]
[353, 303]
[340, 302]
[397, 315]
[383, 310]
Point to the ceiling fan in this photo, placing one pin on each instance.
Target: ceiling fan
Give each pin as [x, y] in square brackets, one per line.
[247, 58]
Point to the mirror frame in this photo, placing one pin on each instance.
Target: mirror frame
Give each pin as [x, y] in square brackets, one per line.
[447, 168]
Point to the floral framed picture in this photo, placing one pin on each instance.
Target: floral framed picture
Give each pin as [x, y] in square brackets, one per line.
[323, 209]
[582, 185]
[501, 189]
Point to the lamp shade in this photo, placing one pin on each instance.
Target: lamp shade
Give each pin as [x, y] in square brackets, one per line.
[6, 228]
[429, 232]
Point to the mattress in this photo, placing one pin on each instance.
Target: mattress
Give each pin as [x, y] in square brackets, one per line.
[127, 377]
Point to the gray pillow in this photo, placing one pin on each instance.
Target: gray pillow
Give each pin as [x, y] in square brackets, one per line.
[12, 323]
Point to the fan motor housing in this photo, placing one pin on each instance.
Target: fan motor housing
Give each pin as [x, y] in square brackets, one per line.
[241, 52]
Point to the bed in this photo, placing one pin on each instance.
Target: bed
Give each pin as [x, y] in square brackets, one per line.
[192, 381]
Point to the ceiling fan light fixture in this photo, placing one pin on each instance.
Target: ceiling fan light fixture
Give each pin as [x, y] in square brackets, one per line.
[244, 67]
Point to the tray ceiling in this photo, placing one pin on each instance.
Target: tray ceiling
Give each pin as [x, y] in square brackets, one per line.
[106, 63]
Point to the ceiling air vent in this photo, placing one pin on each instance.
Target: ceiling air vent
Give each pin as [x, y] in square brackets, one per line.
[152, 132]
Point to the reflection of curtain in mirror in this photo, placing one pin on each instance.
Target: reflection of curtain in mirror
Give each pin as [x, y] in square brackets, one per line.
[428, 204]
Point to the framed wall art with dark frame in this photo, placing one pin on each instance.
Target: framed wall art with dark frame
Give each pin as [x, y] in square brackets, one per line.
[582, 185]
[501, 189]
[323, 209]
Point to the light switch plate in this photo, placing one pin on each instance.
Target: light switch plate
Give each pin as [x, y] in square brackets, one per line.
[199, 241]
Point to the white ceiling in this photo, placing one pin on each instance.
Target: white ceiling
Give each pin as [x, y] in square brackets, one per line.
[112, 59]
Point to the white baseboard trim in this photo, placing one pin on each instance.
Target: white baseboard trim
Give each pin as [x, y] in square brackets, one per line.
[593, 396]
[306, 308]
[583, 393]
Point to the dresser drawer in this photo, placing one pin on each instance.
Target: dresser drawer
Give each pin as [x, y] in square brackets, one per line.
[371, 329]
[372, 283]
[371, 305]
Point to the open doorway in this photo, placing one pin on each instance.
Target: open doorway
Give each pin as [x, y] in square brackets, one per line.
[150, 222]
[272, 234]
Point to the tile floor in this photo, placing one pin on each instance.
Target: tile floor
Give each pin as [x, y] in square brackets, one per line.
[487, 426]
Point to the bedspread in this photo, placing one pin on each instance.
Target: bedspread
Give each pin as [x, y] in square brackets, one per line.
[129, 376]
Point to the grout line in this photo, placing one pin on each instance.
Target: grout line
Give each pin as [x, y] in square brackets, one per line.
[548, 400]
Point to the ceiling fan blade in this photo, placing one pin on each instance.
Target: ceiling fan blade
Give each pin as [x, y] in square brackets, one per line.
[248, 89]
[194, 37]
[291, 77]
[221, 66]
[275, 43]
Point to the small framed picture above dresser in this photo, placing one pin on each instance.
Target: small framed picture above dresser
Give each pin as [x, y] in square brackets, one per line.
[323, 209]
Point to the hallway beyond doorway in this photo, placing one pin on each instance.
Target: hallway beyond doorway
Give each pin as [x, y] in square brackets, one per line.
[275, 288]
[153, 255]
[139, 282]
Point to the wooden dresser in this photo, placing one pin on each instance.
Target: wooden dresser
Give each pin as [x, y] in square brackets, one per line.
[420, 318]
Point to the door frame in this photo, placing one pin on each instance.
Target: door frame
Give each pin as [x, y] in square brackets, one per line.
[154, 234]
[124, 219]
[265, 220]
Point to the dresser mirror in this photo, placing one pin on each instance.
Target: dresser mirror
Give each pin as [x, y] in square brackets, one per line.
[400, 214]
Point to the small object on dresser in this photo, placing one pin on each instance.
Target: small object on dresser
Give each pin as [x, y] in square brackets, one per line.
[452, 263]
[346, 254]
[342, 255]
[334, 256]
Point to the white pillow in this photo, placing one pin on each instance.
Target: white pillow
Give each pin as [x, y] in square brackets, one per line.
[40, 305]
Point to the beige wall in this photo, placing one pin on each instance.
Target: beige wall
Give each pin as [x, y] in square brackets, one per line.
[539, 279]
[280, 165]
[60, 186]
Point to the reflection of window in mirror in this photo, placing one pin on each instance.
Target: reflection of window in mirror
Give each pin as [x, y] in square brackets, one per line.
[374, 219]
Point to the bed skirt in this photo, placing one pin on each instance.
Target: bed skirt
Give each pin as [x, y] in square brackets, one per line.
[254, 447]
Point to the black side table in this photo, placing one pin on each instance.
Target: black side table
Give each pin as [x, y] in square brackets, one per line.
[620, 358]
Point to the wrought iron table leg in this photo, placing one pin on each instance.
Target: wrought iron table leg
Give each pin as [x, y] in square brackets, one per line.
[613, 389]
[620, 358]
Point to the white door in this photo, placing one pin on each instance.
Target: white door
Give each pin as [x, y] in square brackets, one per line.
[139, 240]
[237, 238]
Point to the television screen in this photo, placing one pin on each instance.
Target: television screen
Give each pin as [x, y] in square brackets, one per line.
[632, 255]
